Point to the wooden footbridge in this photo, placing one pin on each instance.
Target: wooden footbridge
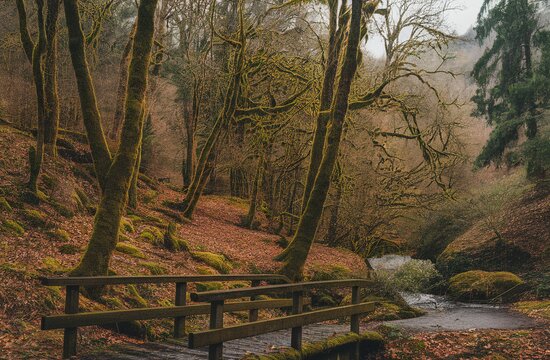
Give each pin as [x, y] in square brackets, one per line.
[252, 336]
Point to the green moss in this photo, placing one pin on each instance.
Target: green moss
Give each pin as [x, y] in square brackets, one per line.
[538, 309]
[217, 261]
[483, 285]
[172, 242]
[208, 286]
[59, 235]
[35, 217]
[5, 205]
[13, 227]
[53, 266]
[53, 297]
[368, 343]
[153, 235]
[123, 237]
[129, 250]
[135, 298]
[62, 209]
[154, 268]
[113, 302]
[126, 225]
[69, 249]
[238, 285]
[136, 219]
[49, 182]
[330, 272]
[150, 196]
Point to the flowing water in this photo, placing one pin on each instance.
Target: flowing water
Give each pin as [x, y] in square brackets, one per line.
[445, 314]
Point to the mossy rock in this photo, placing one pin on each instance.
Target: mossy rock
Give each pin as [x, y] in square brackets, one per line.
[53, 266]
[52, 297]
[126, 225]
[154, 268]
[69, 249]
[59, 235]
[5, 205]
[330, 272]
[216, 261]
[135, 329]
[35, 217]
[13, 227]
[537, 309]
[129, 249]
[136, 219]
[367, 343]
[239, 285]
[172, 242]
[483, 285]
[208, 286]
[123, 238]
[153, 235]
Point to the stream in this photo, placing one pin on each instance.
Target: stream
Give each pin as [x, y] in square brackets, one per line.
[443, 314]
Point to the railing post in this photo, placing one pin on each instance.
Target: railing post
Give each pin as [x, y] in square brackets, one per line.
[215, 351]
[297, 308]
[70, 334]
[355, 299]
[253, 313]
[181, 300]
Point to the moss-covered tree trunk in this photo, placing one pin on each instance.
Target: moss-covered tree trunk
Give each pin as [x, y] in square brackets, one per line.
[36, 155]
[121, 88]
[295, 255]
[133, 192]
[327, 92]
[117, 178]
[88, 102]
[51, 119]
[250, 217]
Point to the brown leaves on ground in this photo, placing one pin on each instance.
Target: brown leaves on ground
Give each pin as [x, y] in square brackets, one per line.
[527, 344]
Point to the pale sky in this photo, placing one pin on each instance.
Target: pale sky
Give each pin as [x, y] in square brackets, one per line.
[459, 20]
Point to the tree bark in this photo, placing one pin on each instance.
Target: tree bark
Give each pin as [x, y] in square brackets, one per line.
[51, 119]
[249, 219]
[295, 255]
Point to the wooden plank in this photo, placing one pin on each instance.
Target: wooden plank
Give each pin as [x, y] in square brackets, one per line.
[253, 314]
[158, 279]
[110, 317]
[70, 334]
[215, 350]
[297, 308]
[216, 336]
[181, 300]
[217, 295]
[355, 299]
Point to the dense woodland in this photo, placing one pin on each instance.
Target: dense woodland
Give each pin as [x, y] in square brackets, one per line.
[439, 148]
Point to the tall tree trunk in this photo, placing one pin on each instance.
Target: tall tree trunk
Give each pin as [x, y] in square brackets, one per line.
[133, 192]
[116, 180]
[88, 102]
[51, 119]
[36, 155]
[332, 231]
[249, 219]
[331, 68]
[121, 89]
[190, 147]
[295, 255]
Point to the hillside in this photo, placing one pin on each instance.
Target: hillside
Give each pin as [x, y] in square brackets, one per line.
[49, 239]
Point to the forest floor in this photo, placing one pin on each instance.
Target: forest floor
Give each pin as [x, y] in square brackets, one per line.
[53, 235]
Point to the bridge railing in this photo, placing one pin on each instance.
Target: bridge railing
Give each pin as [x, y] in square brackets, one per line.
[72, 319]
[217, 334]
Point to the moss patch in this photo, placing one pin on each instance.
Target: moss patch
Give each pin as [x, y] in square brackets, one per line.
[135, 298]
[205, 270]
[153, 235]
[217, 261]
[483, 285]
[537, 309]
[53, 266]
[5, 205]
[129, 250]
[154, 268]
[13, 227]
[35, 217]
[59, 235]
[172, 242]
[126, 225]
[369, 342]
[330, 272]
[208, 286]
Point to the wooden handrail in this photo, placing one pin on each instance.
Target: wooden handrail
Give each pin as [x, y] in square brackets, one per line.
[216, 336]
[219, 295]
[115, 316]
[158, 279]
